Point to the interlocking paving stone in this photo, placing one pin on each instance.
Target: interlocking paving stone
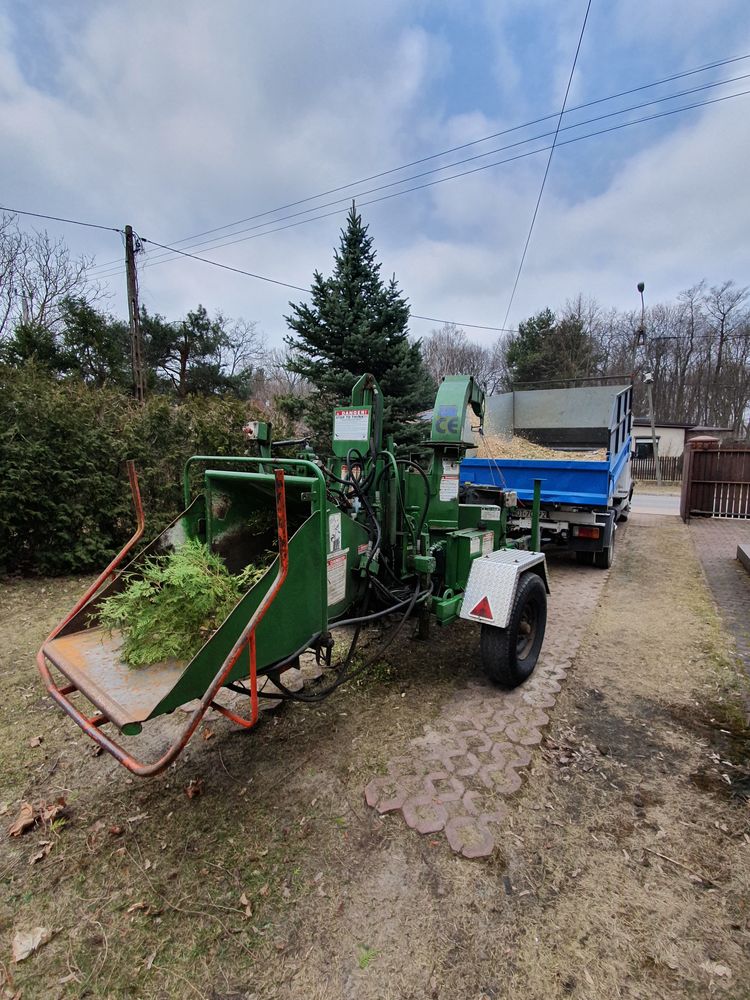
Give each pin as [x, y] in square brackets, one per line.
[470, 758]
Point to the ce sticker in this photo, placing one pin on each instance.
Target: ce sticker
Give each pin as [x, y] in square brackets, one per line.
[447, 425]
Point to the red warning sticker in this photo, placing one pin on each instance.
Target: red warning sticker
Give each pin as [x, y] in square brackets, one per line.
[482, 610]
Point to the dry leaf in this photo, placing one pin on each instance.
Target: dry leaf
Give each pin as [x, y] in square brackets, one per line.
[150, 960]
[208, 734]
[35, 741]
[136, 907]
[264, 889]
[50, 811]
[116, 831]
[715, 968]
[146, 865]
[194, 787]
[23, 821]
[25, 943]
[46, 847]
[244, 901]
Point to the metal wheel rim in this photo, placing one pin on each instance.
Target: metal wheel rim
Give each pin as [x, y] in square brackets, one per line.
[526, 634]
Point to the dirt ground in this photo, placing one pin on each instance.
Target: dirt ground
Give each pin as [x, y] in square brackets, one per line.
[624, 871]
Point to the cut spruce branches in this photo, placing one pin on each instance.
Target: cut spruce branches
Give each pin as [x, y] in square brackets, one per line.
[171, 607]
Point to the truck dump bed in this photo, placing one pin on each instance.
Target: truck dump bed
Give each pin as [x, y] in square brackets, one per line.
[573, 419]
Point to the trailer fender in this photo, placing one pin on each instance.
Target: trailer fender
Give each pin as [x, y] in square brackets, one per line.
[493, 581]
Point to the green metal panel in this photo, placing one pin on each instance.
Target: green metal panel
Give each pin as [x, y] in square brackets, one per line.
[446, 609]
[461, 549]
[455, 394]
[298, 614]
[342, 561]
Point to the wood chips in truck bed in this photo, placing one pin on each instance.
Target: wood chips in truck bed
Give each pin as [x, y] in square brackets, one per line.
[501, 446]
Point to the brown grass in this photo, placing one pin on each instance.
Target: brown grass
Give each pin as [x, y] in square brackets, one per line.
[577, 901]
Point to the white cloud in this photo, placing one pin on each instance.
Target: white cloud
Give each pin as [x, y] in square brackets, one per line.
[179, 117]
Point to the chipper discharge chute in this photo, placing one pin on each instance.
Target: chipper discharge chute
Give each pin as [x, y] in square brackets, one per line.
[368, 534]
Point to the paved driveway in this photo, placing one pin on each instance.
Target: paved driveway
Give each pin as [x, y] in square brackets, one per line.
[655, 503]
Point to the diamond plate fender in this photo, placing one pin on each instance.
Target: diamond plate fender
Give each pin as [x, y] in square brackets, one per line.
[492, 584]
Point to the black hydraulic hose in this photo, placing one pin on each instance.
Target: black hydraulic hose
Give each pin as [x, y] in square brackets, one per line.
[281, 664]
[343, 677]
[381, 614]
[368, 510]
[366, 482]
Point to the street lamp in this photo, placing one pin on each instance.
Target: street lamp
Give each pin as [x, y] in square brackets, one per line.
[648, 381]
[640, 333]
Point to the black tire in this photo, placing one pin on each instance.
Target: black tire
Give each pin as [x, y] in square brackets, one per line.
[605, 558]
[509, 654]
[585, 558]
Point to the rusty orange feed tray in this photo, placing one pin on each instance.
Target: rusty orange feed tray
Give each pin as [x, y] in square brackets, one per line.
[92, 663]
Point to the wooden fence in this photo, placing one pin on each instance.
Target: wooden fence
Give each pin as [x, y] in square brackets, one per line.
[670, 465]
[716, 480]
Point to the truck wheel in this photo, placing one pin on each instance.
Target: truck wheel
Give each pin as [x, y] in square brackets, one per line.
[605, 558]
[509, 654]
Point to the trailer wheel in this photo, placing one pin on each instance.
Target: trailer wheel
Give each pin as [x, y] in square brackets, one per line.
[605, 558]
[509, 654]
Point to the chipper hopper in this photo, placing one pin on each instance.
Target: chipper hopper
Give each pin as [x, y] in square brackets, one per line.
[368, 534]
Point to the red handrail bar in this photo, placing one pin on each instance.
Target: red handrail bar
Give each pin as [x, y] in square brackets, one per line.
[140, 525]
[247, 637]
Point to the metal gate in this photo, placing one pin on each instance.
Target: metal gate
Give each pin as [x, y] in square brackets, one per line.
[715, 480]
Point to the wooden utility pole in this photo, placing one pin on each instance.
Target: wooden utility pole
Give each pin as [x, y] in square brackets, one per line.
[136, 337]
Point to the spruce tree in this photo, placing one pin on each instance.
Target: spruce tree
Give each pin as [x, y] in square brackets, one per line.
[357, 323]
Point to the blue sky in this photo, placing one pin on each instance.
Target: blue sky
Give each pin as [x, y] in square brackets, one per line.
[179, 117]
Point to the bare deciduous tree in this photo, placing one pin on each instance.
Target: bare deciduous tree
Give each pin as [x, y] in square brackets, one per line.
[37, 274]
[448, 351]
[698, 349]
[243, 347]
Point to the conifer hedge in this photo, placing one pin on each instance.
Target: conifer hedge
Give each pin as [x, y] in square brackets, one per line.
[65, 503]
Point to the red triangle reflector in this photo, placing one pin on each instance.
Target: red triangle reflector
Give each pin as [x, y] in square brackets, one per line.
[482, 610]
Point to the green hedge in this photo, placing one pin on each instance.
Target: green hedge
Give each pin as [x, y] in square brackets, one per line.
[64, 498]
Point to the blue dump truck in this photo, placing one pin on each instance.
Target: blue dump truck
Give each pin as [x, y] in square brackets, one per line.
[581, 501]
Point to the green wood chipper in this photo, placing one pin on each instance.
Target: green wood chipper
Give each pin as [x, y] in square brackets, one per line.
[365, 535]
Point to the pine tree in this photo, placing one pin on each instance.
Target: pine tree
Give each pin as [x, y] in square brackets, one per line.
[356, 323]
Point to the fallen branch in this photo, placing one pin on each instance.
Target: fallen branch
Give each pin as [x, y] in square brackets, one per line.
[680, 864]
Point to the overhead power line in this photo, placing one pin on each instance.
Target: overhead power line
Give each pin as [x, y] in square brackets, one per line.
[494, 135]
[442, 180]
[432, 319]
[57, 218]
[383, 173]
[216, 243]
[299, 288]
[549, 162]
[228, 267]
[456, 322]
